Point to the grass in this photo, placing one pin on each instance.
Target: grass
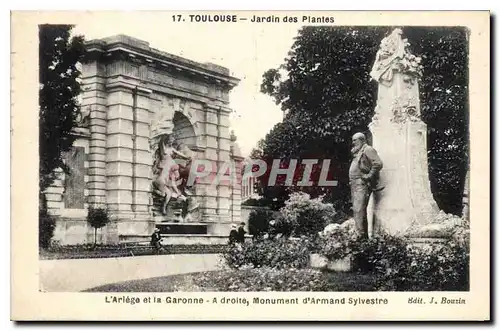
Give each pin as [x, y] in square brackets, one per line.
[88, 252]
[248, 280]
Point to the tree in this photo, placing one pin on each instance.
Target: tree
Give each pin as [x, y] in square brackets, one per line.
[445, 109]
[59, 75]
[46, 224]
[97, 218]
[325, 88]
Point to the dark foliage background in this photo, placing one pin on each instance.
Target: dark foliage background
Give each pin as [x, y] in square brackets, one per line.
[59, 54]
[328, 95]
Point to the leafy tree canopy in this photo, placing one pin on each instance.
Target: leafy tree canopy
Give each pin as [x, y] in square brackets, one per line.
[327, 93]
[59, 54]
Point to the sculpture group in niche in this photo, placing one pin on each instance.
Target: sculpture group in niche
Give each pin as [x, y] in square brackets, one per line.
[171, 165]
[171, 169]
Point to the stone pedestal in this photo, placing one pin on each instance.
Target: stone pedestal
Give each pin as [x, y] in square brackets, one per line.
[406, 200]
[400, 138]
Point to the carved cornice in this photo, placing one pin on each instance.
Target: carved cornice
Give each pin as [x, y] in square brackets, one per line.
[118, 84]
[218, 108]
[133, 50]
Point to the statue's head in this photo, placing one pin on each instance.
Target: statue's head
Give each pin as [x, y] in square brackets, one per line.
[170, 139]
[359, 137]
[358, 140]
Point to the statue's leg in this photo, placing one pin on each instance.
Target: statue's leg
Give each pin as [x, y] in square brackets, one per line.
[158, 187]
[176, 192]
[176, 189]
[376, 226]
[168, 196]
[360, 195]
[158, 192]
[366, 199]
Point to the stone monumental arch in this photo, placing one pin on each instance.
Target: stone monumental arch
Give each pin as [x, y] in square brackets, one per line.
[134, 99]
[400, 137]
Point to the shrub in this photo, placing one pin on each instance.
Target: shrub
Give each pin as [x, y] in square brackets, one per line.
[382, 254]
[338, 241]
[399, 264]
[97, 218]
[277, 253]
[402, 266]
[258, 221]
[302, 215]
[263, 279]
[442, 267]
[46, 227]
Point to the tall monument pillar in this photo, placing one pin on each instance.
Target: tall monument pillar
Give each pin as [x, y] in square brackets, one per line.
[400, 137]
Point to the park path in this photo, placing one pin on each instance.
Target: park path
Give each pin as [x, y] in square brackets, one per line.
[73, 275]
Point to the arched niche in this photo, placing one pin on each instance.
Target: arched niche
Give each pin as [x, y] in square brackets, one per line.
[183, 131]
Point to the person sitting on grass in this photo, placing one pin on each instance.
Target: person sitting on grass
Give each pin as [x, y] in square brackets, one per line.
[156, 241]
[241, 233]
[233, 235]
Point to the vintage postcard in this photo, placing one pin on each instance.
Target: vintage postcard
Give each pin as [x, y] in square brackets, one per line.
[239, 165]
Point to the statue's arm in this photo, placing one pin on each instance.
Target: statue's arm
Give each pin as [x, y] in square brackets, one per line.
[375, 161]
[179, 154]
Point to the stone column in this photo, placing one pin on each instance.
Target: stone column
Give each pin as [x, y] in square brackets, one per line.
[128, 158]
[206, 188]
[95, 99]
[236, 192]
[119, 151]
[141, 190]
[236, 188]
[224, 146]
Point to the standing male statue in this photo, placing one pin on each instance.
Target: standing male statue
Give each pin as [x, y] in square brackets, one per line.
[364, 179]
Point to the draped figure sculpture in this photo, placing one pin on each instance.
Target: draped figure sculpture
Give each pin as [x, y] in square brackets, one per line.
[171, 170]
[166, 171]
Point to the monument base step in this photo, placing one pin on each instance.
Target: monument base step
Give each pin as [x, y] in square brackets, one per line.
[204, 226]
[178, 239]
[182, 228]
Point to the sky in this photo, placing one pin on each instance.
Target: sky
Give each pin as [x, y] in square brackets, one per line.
[248, 50]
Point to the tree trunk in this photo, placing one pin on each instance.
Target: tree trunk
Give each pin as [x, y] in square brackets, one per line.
[95, 237]
[465, 197]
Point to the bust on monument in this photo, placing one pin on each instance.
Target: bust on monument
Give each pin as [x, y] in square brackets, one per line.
[392, 49]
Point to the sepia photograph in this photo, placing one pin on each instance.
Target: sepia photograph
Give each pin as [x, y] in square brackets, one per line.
[290, 156]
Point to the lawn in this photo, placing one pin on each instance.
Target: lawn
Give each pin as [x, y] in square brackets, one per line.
[261, 279]
[113, 251]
